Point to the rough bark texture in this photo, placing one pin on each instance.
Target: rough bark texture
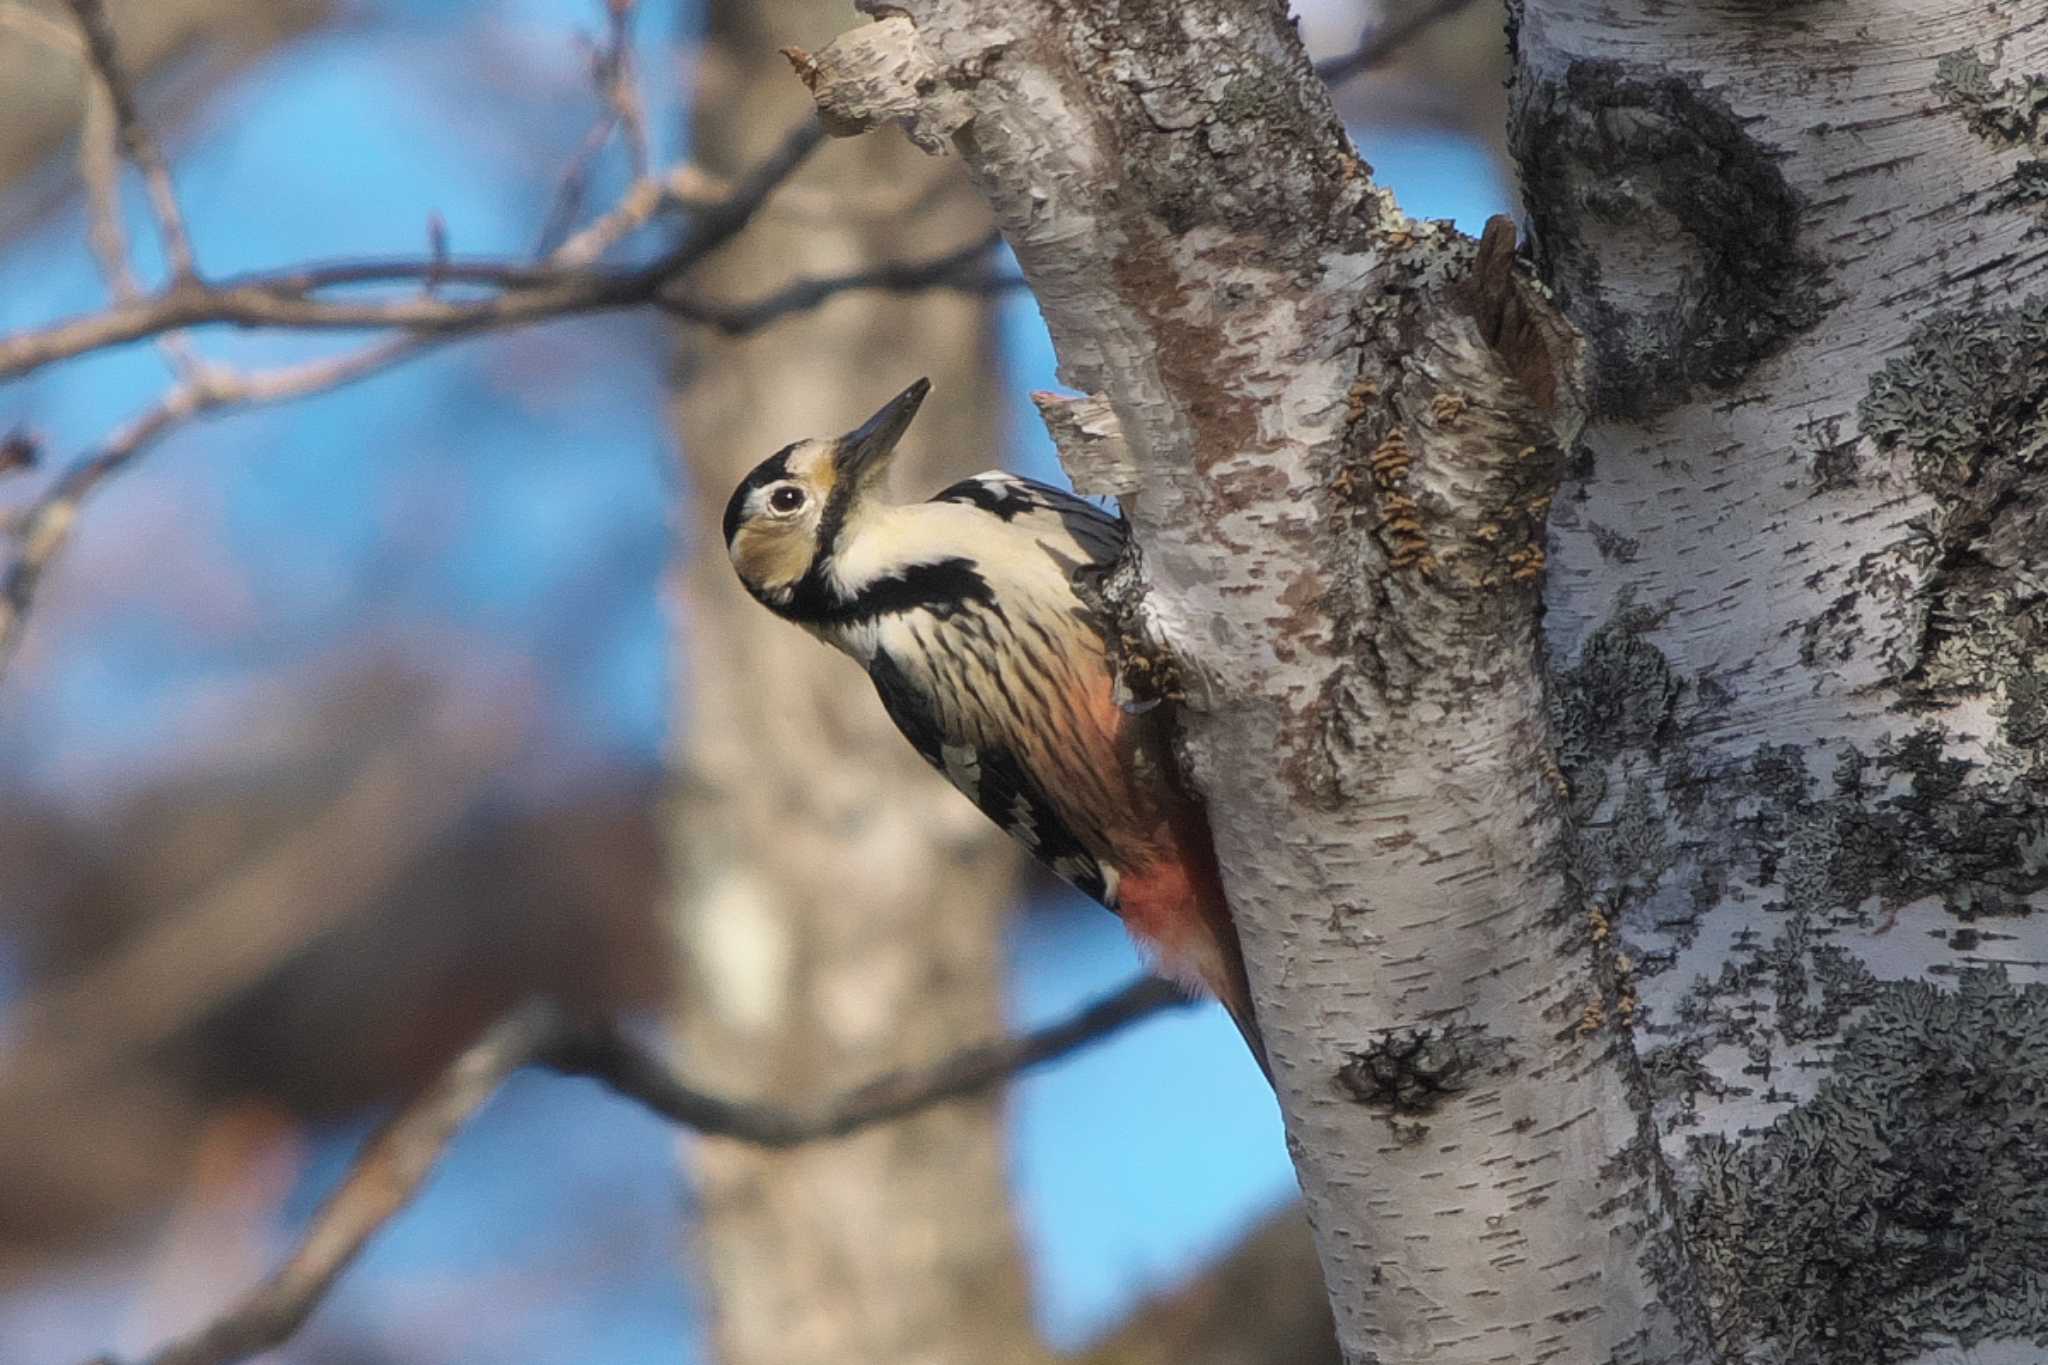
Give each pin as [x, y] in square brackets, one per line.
[1797, 611]
[1346, 428]
[840, 904]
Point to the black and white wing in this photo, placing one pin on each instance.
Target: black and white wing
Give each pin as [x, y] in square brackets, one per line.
[1099, 534]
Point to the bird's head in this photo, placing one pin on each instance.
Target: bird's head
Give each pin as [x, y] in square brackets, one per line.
[787, 516]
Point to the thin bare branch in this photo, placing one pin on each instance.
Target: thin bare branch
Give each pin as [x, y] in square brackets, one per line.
[397, 1161]
[574, 183]
[44, 528]
[136, 139]
[99, 167]
[682, 187]
[958, 269]
[603, 1053]
[520, 293]
[1386, 36]
[19, 19]
[424, 316]
[383, 1180]
[620, 82]
[613, 73]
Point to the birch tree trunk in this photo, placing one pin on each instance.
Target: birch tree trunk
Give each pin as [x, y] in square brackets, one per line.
[1727, 926]
[840, 905]
[1798, 612]
[1340, 431]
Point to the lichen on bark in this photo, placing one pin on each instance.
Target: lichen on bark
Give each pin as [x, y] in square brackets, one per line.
[1901, 1207]
[1635, 166]
[1967, 402]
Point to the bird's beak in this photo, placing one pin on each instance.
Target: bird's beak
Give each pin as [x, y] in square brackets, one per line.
[862, 450]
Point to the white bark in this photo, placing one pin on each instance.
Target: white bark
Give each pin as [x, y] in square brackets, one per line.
[1797, 610]
[1346, 437]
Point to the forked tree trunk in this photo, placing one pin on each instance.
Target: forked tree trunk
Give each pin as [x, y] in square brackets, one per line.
[1343, 430]
[840, 906]
[1727, 923]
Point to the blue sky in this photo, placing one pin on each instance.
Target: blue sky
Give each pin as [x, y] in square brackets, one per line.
[507, 495]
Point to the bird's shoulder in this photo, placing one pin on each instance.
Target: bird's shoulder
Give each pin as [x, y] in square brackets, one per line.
[1041, 509]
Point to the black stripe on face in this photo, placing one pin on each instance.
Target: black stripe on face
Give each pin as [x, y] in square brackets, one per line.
[774, 469]
[832, 520]
[941, 588]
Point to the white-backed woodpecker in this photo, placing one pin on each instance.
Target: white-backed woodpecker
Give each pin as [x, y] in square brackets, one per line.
[967, 612]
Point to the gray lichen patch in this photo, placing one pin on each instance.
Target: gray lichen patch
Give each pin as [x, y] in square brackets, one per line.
[1619, 695]
[1903, 1204]
[1648, 174]
[1886, 830]
[2010, 112]
[1195, 99]
[1904, 825]
[1967, 400]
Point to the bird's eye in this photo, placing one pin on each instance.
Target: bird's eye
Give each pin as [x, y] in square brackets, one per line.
[786, 499]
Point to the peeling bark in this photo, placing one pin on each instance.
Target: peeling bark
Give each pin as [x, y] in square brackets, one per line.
[1346, 427]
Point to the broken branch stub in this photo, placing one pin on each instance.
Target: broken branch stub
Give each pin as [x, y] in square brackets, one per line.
[1090, 442]
[884, 73]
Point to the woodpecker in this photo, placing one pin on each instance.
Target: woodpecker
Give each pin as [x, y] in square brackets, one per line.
[967, 613]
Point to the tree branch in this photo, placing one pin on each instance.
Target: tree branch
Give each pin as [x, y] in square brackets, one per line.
[613, 73]
[526, 292]
[397, 1161]
[603, 1053]
[136, 139]
[43, 529]
[948, 270]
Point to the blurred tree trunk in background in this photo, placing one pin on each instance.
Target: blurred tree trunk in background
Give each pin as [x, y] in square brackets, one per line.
[839, 907]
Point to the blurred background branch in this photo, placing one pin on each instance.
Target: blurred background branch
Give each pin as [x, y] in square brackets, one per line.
[397, 1161]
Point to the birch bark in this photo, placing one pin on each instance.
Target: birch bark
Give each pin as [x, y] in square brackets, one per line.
[1345, 428]
[1798, 614]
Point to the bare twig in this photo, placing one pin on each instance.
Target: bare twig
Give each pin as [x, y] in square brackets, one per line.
[384, 1178]
[521, 294]
[603, 1053]
[955, 269]
[398, 1160]
[613, 73]
[18, 18]
[621, 87]
[682, 187]
[1384, 37]
[136, 139]
[43, 529]
[525, 293]
[99, 167]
